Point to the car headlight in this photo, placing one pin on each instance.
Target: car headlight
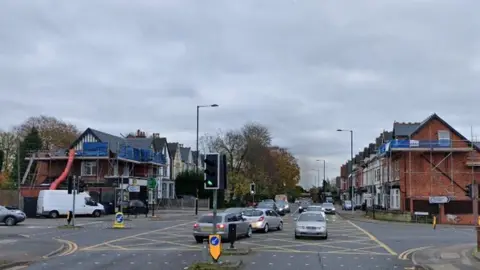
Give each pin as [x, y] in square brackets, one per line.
[333, 209]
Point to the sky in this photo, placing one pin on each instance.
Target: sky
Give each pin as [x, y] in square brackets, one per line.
[303, 68]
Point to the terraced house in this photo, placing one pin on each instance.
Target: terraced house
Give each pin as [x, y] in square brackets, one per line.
[417, 167]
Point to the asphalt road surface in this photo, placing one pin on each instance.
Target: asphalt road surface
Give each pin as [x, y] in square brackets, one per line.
[168, 244]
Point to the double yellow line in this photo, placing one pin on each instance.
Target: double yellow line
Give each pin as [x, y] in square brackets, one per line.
[404, 255]
[71, 247]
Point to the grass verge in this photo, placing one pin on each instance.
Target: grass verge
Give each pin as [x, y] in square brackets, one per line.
[69, 227]
[215, 266]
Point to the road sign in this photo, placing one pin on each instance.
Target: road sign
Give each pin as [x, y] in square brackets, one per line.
[119, 222]
[152, 183]
[133, 188]
[438, 199]
[215, 246]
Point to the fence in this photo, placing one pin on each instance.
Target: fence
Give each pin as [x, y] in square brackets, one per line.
[203, 204]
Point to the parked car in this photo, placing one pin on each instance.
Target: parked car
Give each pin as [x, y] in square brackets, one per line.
[347, 205]
[11, 217]
[311, 224]
[204, 226]
[264, 219]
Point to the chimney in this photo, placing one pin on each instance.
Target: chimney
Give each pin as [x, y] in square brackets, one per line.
[156, 135]
[180, 144]
[138, 133]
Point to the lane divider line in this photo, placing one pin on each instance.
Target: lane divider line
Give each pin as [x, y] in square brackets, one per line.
[380, 243]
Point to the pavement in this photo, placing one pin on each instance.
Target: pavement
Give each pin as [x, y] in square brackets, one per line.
[454, 257]
[167, 243]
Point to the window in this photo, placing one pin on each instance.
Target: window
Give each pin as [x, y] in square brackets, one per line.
[164, 190]
[89, 168]
[395, 198]
[443, 135]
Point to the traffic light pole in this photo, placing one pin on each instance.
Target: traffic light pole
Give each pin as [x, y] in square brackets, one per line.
[215, 194]
[74, 193]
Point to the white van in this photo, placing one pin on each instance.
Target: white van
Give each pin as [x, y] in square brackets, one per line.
[53, 203]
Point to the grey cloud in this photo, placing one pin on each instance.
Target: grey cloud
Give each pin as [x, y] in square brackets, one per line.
[303, 68]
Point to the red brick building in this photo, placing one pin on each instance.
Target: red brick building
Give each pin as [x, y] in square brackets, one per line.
[423, 162]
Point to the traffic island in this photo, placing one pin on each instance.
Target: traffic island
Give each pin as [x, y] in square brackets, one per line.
[69, 227]
[221, 265]
[236, 251]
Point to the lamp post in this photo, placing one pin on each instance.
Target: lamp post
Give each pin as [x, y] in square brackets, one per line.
[324, 166]
[196, 148]
[351, 158]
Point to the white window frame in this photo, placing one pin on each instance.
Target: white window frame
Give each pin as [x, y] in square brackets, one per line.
[395, 198]
[89, 168]
[443, 135]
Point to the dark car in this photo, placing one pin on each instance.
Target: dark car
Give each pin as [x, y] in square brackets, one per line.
[135, 207]
[303, 205]
[267, 205]
[283, 207]
[329, 208]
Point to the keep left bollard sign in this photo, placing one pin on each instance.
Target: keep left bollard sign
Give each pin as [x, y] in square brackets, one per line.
[119, 222]
[215, 246]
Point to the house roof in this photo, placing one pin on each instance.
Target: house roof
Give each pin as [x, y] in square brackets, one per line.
[142, 143]
[172, 149]
[112, 140]
[404, 129]
[184, 153]
[195, 155]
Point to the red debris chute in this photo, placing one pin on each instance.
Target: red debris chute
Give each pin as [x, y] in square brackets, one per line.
[63, 176]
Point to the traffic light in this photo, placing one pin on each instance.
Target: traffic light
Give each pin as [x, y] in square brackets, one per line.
[212, 171]
[81, 186]
[468, 191]
[70, 184]
[252, 188]
[223, 172]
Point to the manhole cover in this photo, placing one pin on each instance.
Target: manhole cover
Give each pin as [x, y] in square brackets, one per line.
[449, 256]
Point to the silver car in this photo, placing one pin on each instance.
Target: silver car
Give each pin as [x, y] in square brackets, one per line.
[11, 216]
[315, 208]
[264, 219]
[204, 226]
[329, 208]
[311, 224]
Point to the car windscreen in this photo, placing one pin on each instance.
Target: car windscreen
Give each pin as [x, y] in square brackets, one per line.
[328, 205]
[281, 203]
[311, 217]
[209, 219]
[314, 208]
[265, 205]
[348, 202]
[253, 213]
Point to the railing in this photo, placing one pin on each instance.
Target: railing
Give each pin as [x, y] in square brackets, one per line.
[475, 159]
[423, 144]
[95, 149]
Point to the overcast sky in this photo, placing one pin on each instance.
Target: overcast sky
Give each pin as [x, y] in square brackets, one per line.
[302, 67]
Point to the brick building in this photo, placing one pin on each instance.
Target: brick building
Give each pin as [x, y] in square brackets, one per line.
[415, 163]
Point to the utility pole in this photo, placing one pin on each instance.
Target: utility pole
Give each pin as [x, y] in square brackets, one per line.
[351, 164]
[18, 174]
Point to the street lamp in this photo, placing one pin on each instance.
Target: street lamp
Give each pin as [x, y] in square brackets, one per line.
[198, 127]
[351, 158]
[324, 178]
[196, 148]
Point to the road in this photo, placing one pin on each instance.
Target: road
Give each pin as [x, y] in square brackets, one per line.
[152, 244]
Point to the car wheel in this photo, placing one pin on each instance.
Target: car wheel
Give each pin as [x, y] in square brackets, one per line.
[296, 236]
[54, 214]
[199, 239]
[325, 237]
[249, 232]
[280, 226]
[96, 213]
[10, 221]
[266, 228]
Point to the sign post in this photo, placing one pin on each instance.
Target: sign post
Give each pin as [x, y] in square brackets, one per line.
[215, 246]
[152, 186]
[119, 222]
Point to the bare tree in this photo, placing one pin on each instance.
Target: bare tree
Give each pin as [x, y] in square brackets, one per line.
[8, 143]
[54, 132]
